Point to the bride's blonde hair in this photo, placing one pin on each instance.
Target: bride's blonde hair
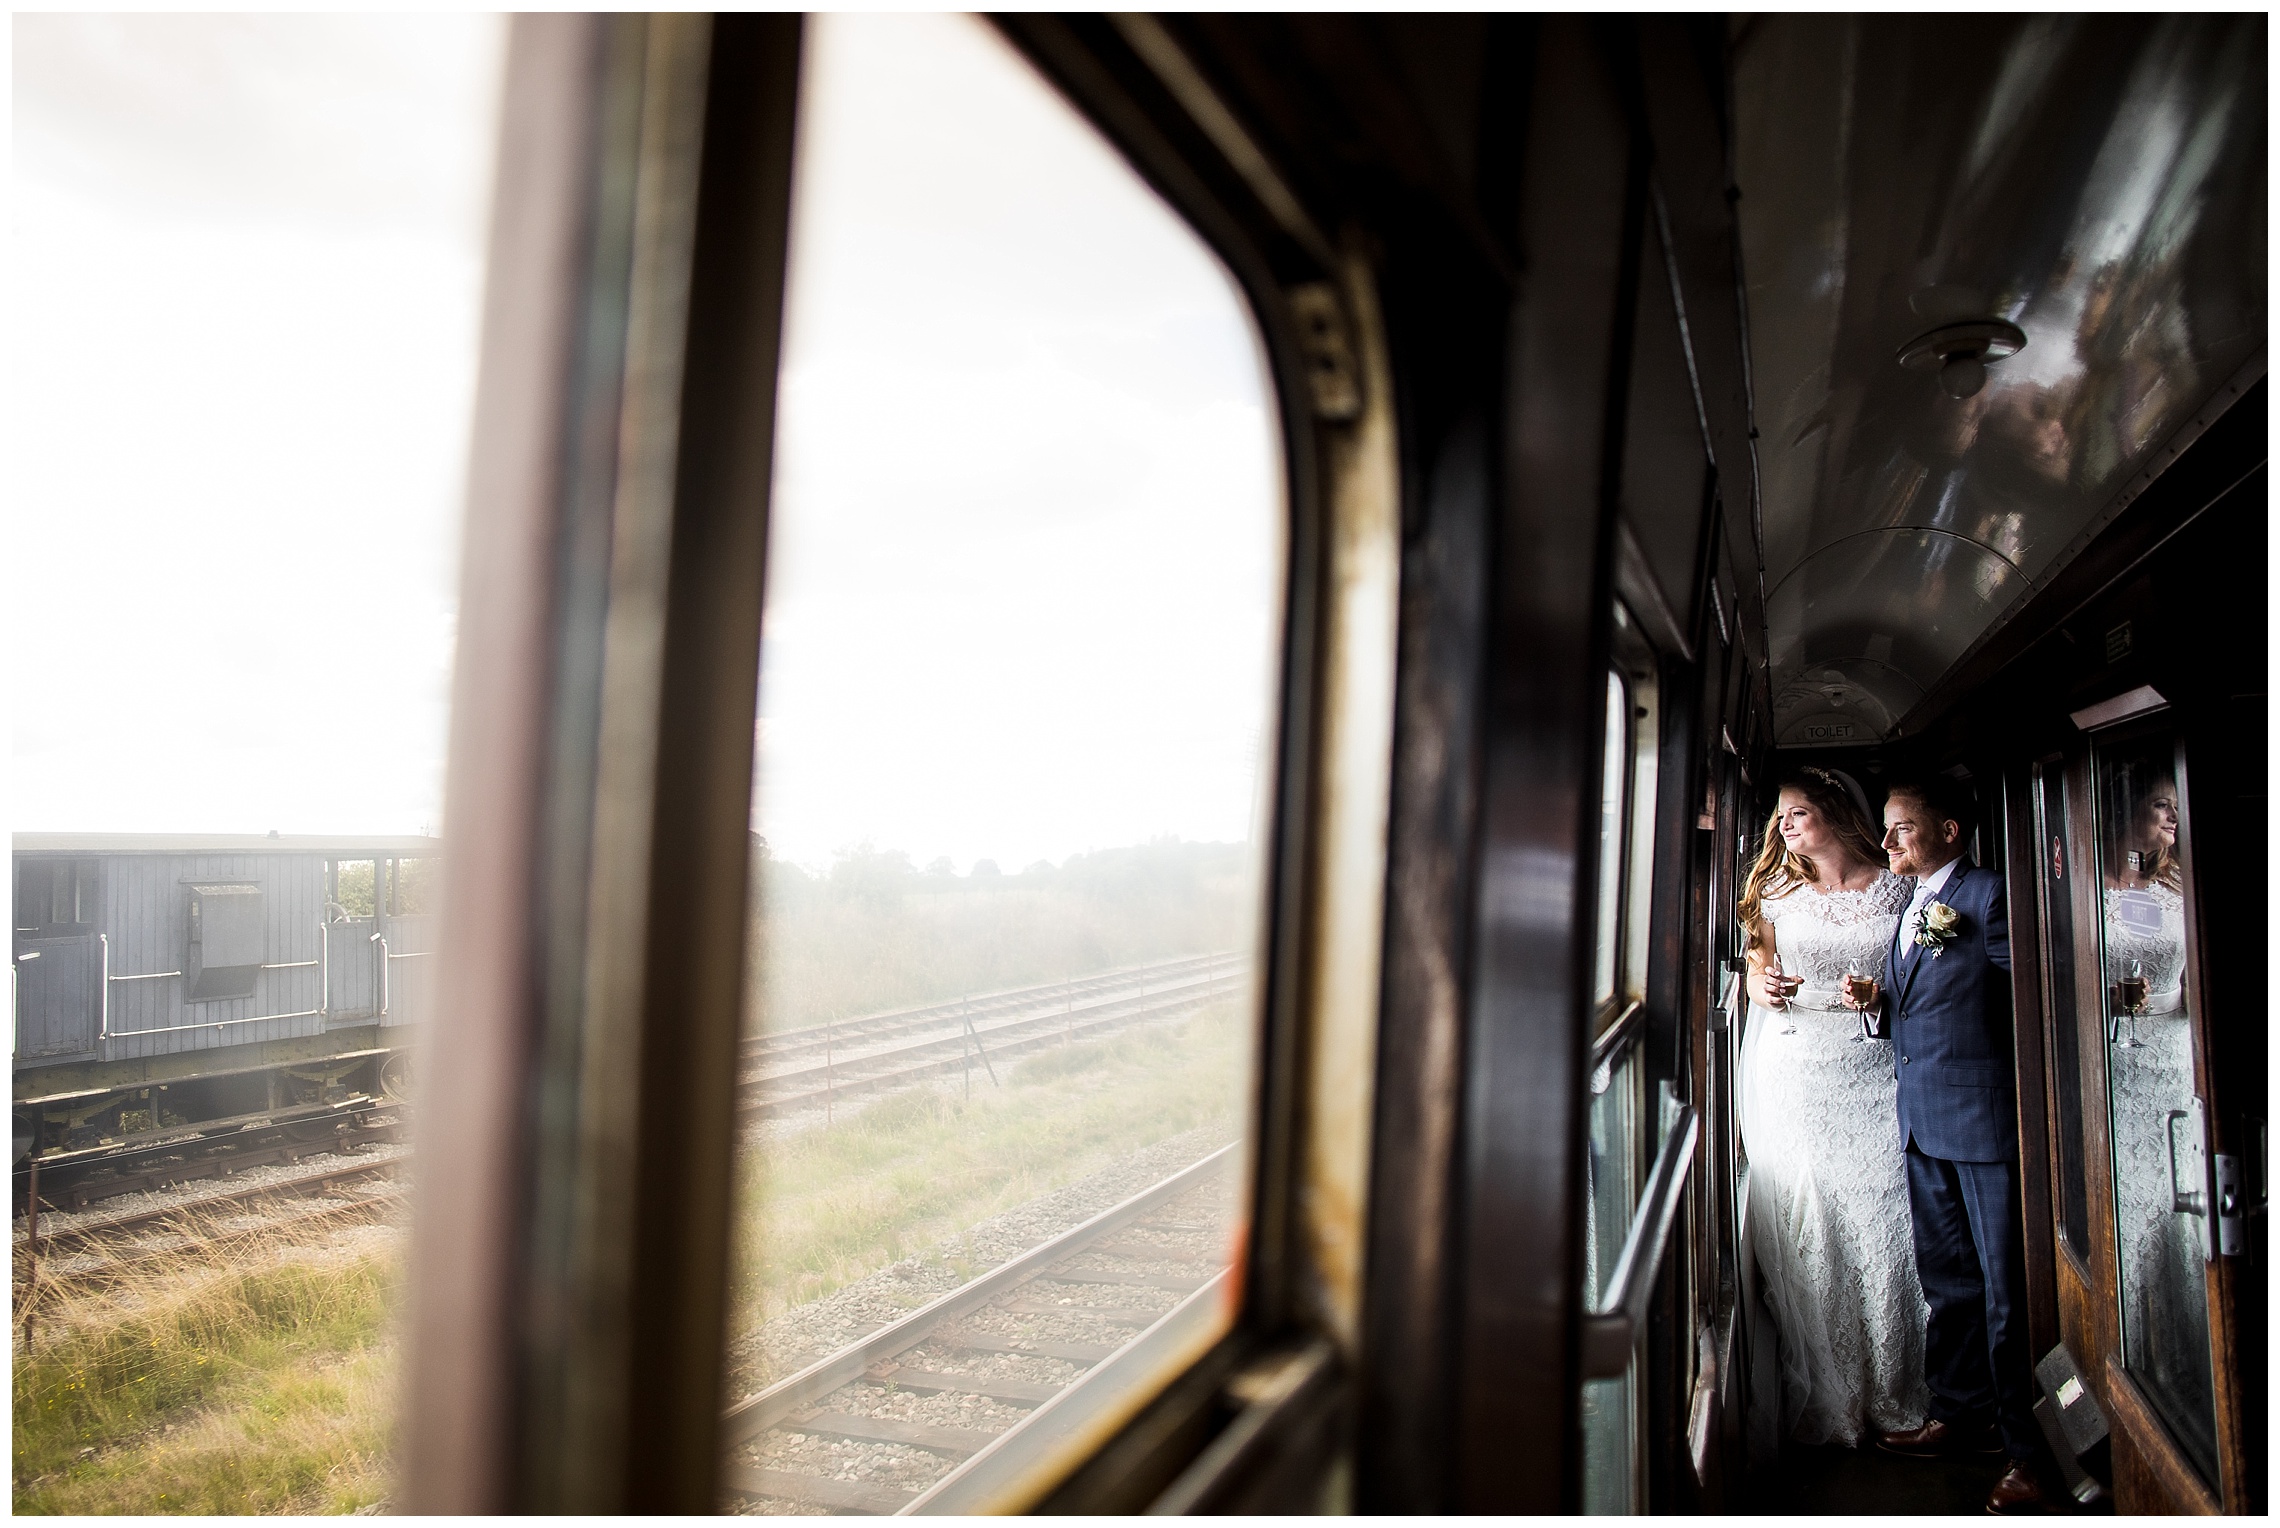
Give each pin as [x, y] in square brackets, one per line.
[1778, 870]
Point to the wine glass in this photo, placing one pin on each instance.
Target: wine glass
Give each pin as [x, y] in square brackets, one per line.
[1861, 989]
[2129, 996]
[1779, 980]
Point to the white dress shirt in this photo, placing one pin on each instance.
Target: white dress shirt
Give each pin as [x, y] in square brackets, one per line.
[1927, 888]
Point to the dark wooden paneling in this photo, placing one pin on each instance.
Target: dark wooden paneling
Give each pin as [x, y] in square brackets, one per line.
[2151, 1477]
[699, 870]
[1518, 1446]
[1405, 1419]
[2036, 1172]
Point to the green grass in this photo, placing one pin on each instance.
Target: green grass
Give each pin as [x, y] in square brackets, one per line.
[829, 1206]
[267, 1388]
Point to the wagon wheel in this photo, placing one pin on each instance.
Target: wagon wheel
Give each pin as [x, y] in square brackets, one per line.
[396, 1077]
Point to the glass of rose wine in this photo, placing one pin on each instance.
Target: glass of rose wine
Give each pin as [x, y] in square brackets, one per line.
[1861, 991]
[2129, 999]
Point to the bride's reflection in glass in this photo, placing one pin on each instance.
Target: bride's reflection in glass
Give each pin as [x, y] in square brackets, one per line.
[2157, 1150]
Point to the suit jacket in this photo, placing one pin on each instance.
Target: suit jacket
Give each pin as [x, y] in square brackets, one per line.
[1951, 1028]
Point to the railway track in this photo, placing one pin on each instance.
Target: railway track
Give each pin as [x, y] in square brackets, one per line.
[938, 1412]
[848, 1034]
[61, 1240]
[952, 1038]
[77, 1180]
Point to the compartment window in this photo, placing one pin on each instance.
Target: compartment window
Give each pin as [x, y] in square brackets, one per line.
[1022, 623]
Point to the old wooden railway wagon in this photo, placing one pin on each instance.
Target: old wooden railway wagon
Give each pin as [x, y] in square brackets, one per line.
[166, 980]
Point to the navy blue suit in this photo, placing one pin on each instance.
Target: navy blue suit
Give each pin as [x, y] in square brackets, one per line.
[1951, 1045]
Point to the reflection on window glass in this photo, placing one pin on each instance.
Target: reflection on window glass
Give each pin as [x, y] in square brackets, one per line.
[1016, 663]
[1614, 771]
[2160, 1172]
[248, 260]
[1645, 723]
[1611, 1201]
[2054, 853]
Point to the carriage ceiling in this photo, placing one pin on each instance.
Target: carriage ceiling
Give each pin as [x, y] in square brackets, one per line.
[2097, 181]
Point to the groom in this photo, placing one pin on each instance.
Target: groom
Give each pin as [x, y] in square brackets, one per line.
[1949, 1003]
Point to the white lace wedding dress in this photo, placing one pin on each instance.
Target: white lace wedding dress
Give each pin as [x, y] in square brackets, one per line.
[2152, 1081]
[1828, 1190]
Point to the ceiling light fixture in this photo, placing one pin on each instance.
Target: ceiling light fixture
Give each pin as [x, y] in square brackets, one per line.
[1960, 352]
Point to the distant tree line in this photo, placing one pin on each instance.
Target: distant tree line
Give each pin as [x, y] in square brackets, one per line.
[875, 932]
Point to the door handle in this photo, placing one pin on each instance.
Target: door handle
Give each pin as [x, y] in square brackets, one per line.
[2195, 1200]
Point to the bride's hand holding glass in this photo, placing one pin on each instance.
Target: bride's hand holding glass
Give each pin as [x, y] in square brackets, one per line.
[1771, 987]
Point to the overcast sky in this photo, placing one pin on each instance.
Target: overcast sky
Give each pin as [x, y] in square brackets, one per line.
[1028, 520]
[244, 273]
[1028, 513]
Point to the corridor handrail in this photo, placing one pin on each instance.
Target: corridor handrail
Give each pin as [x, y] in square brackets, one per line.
[1610, 1332]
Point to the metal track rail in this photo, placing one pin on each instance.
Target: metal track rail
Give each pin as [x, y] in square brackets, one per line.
[206, 1204]
[978, 1045]
[80, 1180]
[988, 1461]
[134, 1255]
[1054, 996]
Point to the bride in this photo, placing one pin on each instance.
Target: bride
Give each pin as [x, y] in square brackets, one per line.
[1828, 1194]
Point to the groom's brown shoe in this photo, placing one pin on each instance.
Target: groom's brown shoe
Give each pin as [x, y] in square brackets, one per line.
[1941, 1440]
[2019, 1491]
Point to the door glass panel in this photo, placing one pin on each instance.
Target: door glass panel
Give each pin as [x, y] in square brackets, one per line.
[1613, 772]
[1611, 1199]
[1016, 722]
[2159, 1172]
[246, 292]
[1644, 719]
[2065, 1018]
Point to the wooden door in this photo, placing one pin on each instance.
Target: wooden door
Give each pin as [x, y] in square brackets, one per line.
[2140, 1265]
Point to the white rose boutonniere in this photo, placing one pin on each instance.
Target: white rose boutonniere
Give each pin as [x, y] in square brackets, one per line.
[1936, 927]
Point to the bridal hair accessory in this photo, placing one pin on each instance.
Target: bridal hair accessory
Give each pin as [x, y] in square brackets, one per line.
[1936, 926]
[1845, 783]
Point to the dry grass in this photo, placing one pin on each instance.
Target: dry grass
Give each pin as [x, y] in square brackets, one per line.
[243, 1377]
[819, 1210]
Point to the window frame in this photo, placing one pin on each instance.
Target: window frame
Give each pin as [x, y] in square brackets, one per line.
[592, 971]
[1635, 666]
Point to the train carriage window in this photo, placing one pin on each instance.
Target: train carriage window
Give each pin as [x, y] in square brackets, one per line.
[1624, 1131]
[1626, 821]
[1018, 654]
[2161, 1184]
[1614, 777]
[1614, 1166]
[248, 267]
